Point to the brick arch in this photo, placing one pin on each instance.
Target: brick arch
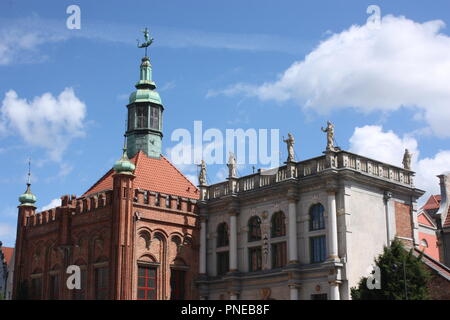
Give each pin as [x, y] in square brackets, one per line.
[144, 239]
[161, 234]
[147, 258]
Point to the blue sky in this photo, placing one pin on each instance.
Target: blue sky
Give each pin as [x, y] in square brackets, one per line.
[222, 63]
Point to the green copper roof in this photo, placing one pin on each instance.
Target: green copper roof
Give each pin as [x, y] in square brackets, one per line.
[145, 95]
[124, 165]
[145, 86]
[27, 199]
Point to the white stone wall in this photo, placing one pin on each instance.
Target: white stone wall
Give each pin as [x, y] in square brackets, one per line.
[361, 227]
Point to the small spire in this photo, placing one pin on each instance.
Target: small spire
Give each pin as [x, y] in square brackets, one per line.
[124, 165]
[29, 177]
[28, 198]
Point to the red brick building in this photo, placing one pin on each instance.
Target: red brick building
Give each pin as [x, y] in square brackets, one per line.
[133, 233]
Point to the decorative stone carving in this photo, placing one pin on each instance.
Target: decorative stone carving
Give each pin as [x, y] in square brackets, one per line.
[330, 136]
[290, 147]
[407, 160]
[202, 175]
[232, 166]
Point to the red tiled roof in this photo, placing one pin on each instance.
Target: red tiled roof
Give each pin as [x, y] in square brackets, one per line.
[152, 174]
[7, 252]
[433, 202]
[437, 266]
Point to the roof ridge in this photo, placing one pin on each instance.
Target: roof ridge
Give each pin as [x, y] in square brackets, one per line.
[438, 263]
[428, 217]
[96, 183]
[196, 189]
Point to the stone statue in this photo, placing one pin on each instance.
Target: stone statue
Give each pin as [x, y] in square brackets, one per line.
[330, 136]
[407, 160]
[202, 175]
[231, 166]
[290, 147]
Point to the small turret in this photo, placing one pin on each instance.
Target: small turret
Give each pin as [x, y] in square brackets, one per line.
[28, 198]
[124, 165]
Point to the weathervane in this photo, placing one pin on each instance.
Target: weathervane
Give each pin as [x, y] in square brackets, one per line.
[148, 41]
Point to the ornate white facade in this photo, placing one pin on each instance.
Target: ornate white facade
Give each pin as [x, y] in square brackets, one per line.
[362, 204]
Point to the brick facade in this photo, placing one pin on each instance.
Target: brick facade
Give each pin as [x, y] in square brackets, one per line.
[117, 230]
[403, 220]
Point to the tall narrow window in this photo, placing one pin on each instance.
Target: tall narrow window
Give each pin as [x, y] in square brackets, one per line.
[154, 118]
[222, 263]
[177, 284]
[141, 117]
[278, 225]
[53, 293]
[279, 255]
[316, 219]
[255, 259]
[101, 283]
[222, 235]
[146, 289]
[318, 249]
[36, 288]
[254, 229]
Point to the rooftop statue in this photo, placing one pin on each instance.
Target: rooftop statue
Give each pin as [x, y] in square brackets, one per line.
[290, 147]
[202, 175]
[232, 166]
[407, 160]
[330, 136]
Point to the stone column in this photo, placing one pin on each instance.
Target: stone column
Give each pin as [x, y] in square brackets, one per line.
[334, 290]
[332, 226]
[387, 196]
[293, 292]
[202, 264]
[233, 241]
[292, 240]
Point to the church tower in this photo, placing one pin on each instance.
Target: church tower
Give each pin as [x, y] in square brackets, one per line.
[144, 131]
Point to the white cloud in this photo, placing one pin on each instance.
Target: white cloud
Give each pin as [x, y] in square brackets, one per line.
[386, 146]
[401, 64]
[20, 39]
[46, 121]
[53, 204]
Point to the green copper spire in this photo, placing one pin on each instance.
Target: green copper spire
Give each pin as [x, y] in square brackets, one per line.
[28, 198]
[145, 109]
[124, 165]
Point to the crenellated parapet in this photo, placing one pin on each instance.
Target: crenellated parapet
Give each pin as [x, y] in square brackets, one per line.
[165, 201]
[74, 205]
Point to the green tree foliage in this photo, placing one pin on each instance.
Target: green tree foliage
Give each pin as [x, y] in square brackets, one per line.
[396, 264]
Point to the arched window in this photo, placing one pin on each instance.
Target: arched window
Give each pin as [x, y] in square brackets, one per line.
[278, 225]
[222, 235]
[316, 219]
[254, 229]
